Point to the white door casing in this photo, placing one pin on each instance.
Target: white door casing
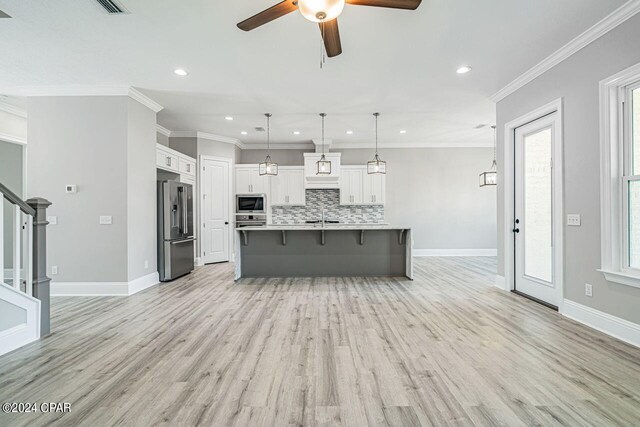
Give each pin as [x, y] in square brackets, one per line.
[216, 209]
[507, 181]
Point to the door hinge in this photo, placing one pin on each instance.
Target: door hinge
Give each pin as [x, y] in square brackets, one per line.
[204, 196]
[204, 225]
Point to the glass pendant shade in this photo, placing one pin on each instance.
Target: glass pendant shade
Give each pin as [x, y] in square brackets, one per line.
[376, 166]
[490, 177]
[323, 166]
[320, 10]
[268, 167]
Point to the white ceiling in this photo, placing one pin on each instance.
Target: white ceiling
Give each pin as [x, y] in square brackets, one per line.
[401, 63]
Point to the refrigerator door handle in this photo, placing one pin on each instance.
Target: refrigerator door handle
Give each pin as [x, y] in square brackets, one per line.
[185, 219]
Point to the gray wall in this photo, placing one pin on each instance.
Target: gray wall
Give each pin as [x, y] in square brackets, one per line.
[11, 175]
[576, 81]
[106, 146]
[282, 157]
[435, 191]
[162, 139]
[187, 146]
[141, 191]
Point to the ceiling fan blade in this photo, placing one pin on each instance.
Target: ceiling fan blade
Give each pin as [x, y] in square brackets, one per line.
[331, 36]
[394, 4]
[283, 8]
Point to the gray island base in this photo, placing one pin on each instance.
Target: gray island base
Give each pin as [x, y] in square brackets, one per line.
[314, 251]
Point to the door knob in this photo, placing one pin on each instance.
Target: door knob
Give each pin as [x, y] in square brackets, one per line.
[226, 223]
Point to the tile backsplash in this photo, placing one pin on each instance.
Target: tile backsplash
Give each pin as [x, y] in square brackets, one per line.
[330, 201]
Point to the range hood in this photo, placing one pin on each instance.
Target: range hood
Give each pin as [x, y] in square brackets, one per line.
[314, 181]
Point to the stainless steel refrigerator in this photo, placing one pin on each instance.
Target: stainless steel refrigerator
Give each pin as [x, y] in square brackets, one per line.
[175, 229]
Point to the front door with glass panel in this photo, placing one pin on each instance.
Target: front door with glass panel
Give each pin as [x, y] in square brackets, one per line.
[533, 228]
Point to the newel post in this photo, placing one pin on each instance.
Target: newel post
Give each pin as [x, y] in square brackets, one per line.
[41, 282]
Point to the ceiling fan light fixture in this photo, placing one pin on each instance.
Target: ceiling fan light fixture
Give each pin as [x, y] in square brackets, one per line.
[320, 10]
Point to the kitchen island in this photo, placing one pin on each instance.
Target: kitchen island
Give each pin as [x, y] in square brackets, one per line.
[323, 251]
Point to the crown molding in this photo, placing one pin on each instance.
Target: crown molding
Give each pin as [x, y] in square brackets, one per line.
[12, 109]
[163, 130]
[617, 17]
[144, 100]
[390, 145]
[208, 137]
[280, 146]
[79, 90]
[12, 138]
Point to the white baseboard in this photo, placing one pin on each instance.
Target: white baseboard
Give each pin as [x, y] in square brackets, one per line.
[500, 282]
[143, 282]
[199, 262]
[624, 330]
[454, 252]
[16, 337]
[104, 288]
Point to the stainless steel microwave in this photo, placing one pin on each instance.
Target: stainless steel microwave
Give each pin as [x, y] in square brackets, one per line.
[251, 203]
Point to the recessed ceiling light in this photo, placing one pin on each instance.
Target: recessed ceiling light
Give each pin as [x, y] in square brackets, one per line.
[296, 132]
[228, 118]
[403, 131]
[180, 72]
[463, 69]
[244, 132]
[349, 132]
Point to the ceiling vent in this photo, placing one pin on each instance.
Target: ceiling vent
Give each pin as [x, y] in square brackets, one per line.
[259, 129]
[4, 15]
[112, 7]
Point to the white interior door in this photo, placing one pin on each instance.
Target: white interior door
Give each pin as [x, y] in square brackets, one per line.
[534, 229]
[215, 211]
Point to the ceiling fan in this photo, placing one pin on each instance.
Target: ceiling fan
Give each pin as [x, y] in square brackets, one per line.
[323, 12]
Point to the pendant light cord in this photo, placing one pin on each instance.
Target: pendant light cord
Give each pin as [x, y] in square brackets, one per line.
[322, 57]
[322, 115]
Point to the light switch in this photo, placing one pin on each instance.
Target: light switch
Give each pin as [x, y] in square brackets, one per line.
[53, 220]
[573, 220]
[54, 270]
[106, 220]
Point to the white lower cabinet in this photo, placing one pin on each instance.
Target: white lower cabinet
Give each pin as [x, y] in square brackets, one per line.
[357, 187]
[287, 188]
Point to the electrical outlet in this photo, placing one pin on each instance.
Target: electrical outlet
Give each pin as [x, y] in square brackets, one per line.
[54, 270]
[146, 264]
[573, 220]
[588, 290]
[53, 220]
[106, 220]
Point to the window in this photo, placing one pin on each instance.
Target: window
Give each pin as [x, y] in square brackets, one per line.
[631, 179]
[620, 179]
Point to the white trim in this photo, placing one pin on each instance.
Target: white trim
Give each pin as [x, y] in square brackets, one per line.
[13, 139]
[82, 90]
[163, 130]
[104, 288]
[611, 171]
[232, 196]
[199, 262]
[454, 252]
[500, 283]
[144, 282]
[207, 136]
[144, 100]
[617, 17]
[12, 109]
[507, 183]
[621, 329]
[280, 146]
[22, 334]
[414, 144]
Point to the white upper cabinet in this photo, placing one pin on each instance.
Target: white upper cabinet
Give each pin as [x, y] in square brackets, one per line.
[374, 188]
[287, 188]
[357, 187]
[174, 161]
[249, 180]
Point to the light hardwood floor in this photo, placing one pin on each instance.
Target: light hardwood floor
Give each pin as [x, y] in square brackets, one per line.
[445, 349]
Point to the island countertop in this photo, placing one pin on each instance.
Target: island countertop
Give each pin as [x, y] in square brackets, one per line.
[327, 227]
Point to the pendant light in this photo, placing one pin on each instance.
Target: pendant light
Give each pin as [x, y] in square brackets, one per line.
[268, 167]
[491, 177]
[323, 166]
[376, 166]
